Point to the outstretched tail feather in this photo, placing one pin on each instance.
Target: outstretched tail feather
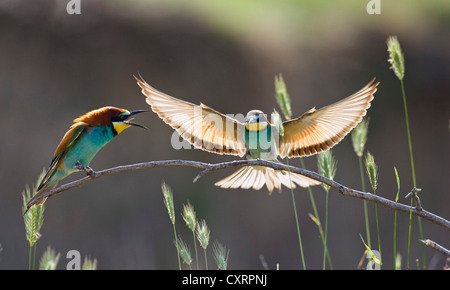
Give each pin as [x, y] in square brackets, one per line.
[256, 176]
[294, 178]
[35, 200]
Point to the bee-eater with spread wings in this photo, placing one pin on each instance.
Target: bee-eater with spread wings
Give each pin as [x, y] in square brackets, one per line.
[313, 132]
[81, 143]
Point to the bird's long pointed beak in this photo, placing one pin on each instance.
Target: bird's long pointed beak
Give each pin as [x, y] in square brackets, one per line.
[135, 124]
[137, 112]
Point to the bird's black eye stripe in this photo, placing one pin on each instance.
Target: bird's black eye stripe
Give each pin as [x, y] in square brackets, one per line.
[120, 118]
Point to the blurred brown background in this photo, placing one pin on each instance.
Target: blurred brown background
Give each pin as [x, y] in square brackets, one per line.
[55, 67]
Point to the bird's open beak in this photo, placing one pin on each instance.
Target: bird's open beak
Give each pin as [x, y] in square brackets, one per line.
[137, 112]
[134, 113]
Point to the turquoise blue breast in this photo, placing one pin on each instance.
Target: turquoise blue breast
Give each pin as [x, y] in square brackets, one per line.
[87, 145]
[259, 142]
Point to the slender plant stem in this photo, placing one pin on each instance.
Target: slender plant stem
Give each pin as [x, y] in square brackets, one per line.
[413, 172]
[409, 235]
[419, 224]
[366, 213]
[296, 221]
[319, 224]
[195, 246]
[206, 260]
[395, 222]
[34, 256]
[378, 228]
[298, 230]
[325, 249]
[395, 239]
[29, 258]
[176, 244]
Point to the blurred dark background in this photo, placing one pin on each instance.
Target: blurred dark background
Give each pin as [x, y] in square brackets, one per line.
[55, 67]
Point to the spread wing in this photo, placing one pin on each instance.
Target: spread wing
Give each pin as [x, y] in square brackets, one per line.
[202, 126]
[70, 136]
[319, 130]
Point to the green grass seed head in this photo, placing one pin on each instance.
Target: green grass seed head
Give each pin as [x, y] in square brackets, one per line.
[220, 255]
[327, 166]
[396, 58]
[189, 216]
[372, 170]
[282, 97]
[168, 201]
[203, 234]
[359, 137]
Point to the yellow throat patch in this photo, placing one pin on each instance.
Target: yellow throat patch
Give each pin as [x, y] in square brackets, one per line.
[119, 127]
[255, 127]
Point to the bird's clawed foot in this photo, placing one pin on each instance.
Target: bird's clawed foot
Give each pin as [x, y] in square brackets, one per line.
[89, 171]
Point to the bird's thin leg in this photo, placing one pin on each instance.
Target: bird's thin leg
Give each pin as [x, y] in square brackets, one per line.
[89, 171]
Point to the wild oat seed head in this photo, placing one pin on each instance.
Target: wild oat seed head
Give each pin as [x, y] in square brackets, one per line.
[359, 137]
[372, 170]
[203, 234]
[34, 218]
[49, 260]
[220, 255]
[396, 58]
[189, 216]
[185, 252]
[168, 201]
[327, 166]
[89, 264]
[282, 96]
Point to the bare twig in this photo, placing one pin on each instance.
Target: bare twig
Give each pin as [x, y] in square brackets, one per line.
[208, 167]
[436, 247]
[414, 192]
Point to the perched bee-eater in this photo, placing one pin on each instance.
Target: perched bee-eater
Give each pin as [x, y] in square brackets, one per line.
[313, 132]
[81, 143]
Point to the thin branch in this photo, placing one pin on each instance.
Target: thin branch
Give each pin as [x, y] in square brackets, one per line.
[208, 167]
[91, 175]
[436, 247]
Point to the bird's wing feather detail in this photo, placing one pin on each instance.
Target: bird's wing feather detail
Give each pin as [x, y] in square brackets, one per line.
[202, 126]
[70, 136]
[256, 176]
[319, 130]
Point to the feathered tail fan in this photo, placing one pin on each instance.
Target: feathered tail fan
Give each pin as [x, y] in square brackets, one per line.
[256, 176]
